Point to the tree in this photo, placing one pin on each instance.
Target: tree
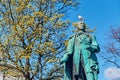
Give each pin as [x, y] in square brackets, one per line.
[33, 37]
[112, 49]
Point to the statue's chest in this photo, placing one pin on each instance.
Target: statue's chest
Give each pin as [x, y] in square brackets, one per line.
[83, 40]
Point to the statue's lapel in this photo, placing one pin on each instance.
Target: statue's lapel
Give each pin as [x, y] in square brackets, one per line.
[81, 37]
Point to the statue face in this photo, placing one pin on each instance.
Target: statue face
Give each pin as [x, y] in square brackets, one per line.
[80, 25]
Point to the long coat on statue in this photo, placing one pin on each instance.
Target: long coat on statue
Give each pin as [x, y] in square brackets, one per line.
[80, 56]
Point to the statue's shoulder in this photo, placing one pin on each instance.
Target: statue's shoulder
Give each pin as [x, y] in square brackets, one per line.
[92, 36]
[71, 37]
[89, 35]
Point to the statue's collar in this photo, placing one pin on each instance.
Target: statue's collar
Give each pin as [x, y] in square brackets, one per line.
[80, 32]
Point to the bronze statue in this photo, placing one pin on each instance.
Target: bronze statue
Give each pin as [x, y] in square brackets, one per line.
[80, 61]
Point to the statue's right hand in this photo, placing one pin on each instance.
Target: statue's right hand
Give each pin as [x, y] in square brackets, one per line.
[64, 59]
[61, 62]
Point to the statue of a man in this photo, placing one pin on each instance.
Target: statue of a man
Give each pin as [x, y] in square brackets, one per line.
[80, 61]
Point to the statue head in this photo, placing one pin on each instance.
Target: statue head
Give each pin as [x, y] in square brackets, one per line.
[81, 25]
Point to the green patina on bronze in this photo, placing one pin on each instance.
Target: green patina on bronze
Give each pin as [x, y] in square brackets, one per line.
[80, 61]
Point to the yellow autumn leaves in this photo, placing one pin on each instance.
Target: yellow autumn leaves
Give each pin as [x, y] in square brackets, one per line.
[45, 47]
[51, 60]
[40, 14]
[1, 49]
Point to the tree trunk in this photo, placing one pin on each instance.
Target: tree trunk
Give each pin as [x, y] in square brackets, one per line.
[27, 74]
[27, 77]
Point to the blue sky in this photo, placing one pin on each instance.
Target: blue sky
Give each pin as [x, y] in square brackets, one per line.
[100, 13]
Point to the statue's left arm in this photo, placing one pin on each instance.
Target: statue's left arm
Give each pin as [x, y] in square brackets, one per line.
[94, 45]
